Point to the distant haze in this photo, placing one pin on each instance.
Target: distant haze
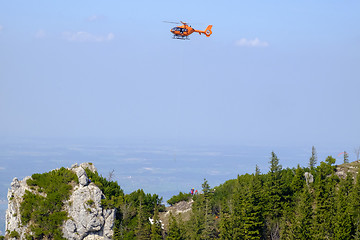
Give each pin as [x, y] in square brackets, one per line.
[273, 73]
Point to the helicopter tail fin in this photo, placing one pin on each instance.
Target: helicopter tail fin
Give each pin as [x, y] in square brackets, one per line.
[208, 31]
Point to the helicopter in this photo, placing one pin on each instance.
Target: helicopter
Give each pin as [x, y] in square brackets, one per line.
[182, 32]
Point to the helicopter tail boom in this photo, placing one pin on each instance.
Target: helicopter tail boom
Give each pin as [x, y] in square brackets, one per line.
[207, 31]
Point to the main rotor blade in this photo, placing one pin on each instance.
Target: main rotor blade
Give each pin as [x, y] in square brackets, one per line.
[172, 22]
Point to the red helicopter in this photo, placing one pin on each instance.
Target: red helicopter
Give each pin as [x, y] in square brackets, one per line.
[182, 32]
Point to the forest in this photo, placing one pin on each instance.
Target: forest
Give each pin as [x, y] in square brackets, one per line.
[320, 201]
[279, 204]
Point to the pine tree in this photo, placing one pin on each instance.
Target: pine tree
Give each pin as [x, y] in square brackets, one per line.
[253, 209]
[302, 223]
[209, 220]
[298, 181]
[273, 187]
[225, 226]
[174, 232]
[346, 157]
[325, 184]
[156, 232]
[313, 158]
[237, 218]
[355, 207]
[201, 221]
[142, 230]
[275, 167]
[343, 221]
[257, 170]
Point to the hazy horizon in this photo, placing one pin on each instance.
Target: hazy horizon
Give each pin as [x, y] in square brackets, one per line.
[161, 168]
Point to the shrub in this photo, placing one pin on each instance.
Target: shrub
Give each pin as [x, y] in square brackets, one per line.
[14, 234]
[45, 213]
[178, 198]
[90, 202]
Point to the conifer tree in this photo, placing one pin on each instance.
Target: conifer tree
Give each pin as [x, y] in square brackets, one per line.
[355, 207]
[313, 158]
[156, 232]
[200, 221]
[325, 183]
[209, 220]
[343, 221]
[174, 232]
[257, 170]
[274, 187]
[225, 226]
[302, 224]
[298, 181]
[237, 218]
[346, 157]
[142, 230]
[197, 219]
[253, 209]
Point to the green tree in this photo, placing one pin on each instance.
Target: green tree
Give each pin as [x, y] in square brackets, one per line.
[355, 207]
[313, 158]
[302, 224]
[253, 210]
[142, 230]
[275, 167]
[346, 157]
[298, 181]
[343, 220]
[174, 231]
[156, 232]
[209, 220]
[325, 185]
[273, 187]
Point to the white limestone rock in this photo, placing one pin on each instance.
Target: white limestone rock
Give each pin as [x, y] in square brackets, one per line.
[82, 176]
[87, 219]
[309, 178]
[90, 166]
[15, 196]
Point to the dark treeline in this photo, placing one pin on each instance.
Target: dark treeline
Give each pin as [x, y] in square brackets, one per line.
[279, 204]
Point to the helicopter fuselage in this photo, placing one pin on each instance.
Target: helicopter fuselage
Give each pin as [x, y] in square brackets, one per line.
[183, 31]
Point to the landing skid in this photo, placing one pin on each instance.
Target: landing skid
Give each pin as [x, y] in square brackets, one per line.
[181, 37]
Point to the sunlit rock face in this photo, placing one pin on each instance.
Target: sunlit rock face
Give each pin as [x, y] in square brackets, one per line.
[13, 217]
[86, 217]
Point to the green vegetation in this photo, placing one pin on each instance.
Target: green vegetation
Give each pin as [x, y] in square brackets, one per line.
[90, 202]
[132, 210]
[178, 198]
[277, 205]
[44, 213]
[14, 234]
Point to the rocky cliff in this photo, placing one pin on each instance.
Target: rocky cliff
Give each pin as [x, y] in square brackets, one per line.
[86, 219]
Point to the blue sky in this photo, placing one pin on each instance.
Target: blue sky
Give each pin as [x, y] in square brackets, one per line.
[273, 72]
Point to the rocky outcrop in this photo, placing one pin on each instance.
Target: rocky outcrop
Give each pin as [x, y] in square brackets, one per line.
[181, 209]
[13, 217]
[86, 217]
[344, 169]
